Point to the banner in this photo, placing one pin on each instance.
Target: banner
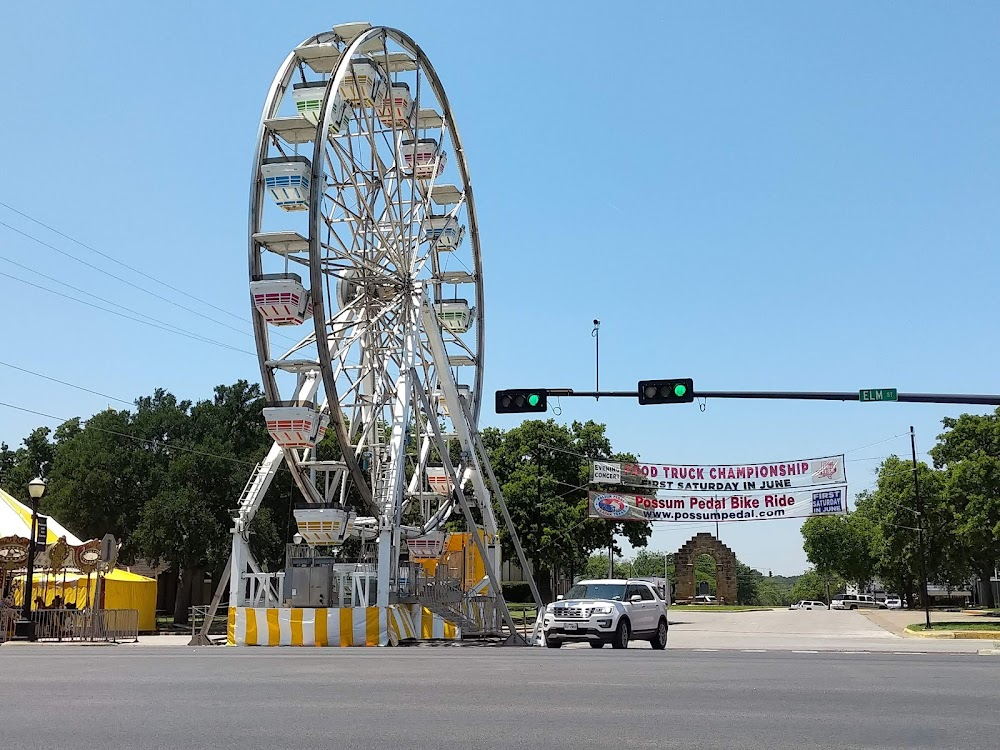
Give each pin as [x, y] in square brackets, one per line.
[779, 475]
[800, 503]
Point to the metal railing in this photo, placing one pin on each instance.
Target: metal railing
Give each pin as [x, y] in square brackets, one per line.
[220, 623]
[7, 618]
[445, 585]
[111, 625]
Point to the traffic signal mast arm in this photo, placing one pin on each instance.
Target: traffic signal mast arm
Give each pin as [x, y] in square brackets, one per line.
[918, 398]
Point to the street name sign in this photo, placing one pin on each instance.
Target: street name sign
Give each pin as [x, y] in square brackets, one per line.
[878, 394]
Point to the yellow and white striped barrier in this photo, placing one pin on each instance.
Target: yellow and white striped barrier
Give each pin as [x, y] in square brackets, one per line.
[434, 626]
[346, 626]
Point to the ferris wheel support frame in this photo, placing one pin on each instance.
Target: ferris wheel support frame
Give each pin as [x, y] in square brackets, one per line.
[470, 520]
[388, 492]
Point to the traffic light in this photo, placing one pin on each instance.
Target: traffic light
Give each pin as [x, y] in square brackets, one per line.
[518, 400]
[675, 391]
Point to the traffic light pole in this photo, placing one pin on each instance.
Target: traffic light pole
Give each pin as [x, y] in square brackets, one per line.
[915, 398]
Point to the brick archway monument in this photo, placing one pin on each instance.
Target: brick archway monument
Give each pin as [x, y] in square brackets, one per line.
[725, 567]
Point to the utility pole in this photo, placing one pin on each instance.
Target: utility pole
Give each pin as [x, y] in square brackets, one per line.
[536, 562]
[920, 533]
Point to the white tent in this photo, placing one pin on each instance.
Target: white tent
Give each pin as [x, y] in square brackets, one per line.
[15, 520]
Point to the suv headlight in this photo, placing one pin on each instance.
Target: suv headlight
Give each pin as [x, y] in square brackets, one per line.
[604, 610]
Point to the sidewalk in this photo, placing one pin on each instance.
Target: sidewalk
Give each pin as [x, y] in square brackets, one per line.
[896, 620]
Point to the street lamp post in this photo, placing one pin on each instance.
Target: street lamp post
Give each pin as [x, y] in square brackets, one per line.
[24, 629]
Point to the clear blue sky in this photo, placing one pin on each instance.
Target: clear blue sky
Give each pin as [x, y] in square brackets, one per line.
[757, 195]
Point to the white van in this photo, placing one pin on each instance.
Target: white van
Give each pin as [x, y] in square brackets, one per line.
[854, 601]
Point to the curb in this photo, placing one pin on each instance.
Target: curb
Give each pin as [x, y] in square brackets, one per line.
[982, 635]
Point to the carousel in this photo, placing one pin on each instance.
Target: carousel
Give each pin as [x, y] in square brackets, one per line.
[72, 586]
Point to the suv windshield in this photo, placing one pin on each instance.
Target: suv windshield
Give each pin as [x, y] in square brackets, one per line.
[613, 591]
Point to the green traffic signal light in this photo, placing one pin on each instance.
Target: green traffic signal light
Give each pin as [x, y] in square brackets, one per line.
[672, 391]
[520, 400]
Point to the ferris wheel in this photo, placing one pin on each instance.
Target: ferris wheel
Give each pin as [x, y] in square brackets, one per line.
[366, 281]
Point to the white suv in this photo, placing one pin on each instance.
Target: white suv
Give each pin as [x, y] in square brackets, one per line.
[613, 611]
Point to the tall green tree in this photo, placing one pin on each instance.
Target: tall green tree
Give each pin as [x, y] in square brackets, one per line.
[557, 533]
[748, 584]
[652, 564]
[842, 545]
[813, 585]
[210, 449]
[100, 478]
[32, 459]
[969, 451]
[912, 532]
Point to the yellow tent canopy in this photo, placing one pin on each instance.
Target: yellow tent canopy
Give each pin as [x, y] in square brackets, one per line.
[122, 590]
[15, 520]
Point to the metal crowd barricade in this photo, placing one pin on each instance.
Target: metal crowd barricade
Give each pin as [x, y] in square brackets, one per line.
[7, 619]
[112, 625]
[120, 625]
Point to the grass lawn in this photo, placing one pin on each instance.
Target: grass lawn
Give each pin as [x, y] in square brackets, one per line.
[959, 626]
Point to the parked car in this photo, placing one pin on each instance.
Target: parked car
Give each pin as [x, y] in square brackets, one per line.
[613, 611]
[854, 601]
[809, 604]
[893, 602]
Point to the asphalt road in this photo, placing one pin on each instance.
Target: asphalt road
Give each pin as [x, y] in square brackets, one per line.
[449, 697]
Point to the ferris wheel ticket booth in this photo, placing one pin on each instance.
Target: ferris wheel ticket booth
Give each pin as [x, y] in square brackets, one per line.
[365, 277]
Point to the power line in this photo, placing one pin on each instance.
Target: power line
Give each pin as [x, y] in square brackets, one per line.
[64, 382]
[145, 441]
[879, 442]
[119, 278]
[163, 327]
[95, 296]
[31, 237]
[120, 263]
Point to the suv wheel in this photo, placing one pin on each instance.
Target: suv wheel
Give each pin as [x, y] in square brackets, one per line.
[659, 641]
[596, 644]
[622, 634]
[553, 643]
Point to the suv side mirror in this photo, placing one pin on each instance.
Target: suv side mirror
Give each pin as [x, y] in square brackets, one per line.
[559, 597]
[635, 598]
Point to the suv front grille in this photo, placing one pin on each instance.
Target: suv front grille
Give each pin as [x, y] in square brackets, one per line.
[571, 612]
